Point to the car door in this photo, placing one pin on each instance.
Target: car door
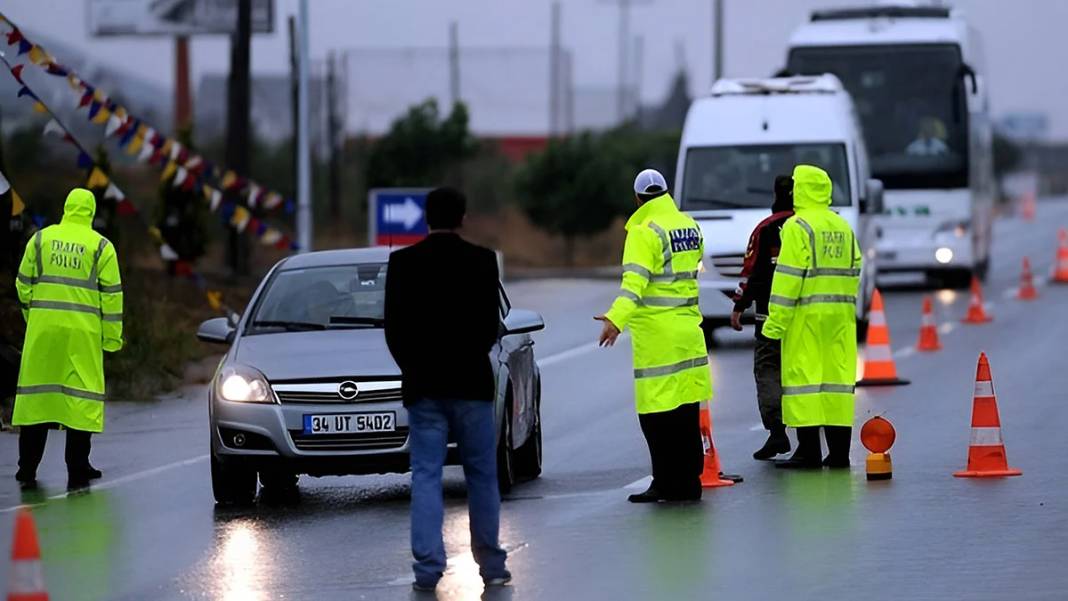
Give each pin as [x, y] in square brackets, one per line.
[517, 352]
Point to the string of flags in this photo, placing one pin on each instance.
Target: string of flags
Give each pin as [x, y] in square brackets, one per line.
[138, 138]
[17, 205]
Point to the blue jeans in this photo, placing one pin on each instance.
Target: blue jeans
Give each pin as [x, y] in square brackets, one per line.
[474, 430]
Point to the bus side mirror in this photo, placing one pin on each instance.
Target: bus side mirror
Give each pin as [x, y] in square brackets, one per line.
[873, 202]
[967, 72]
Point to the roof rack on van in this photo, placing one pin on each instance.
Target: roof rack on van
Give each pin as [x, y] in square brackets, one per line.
[803, 84]
[885, 11]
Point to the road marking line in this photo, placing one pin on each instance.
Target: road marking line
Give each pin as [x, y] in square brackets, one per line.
[113, 483]
[639, 484]
[568, 354]
[947, 327]
[901, 353]
[756, 428]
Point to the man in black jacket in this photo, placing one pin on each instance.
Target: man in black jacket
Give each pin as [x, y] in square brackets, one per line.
[755, 285]
[442, 312]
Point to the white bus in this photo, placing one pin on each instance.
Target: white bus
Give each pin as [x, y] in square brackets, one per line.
[915, 76]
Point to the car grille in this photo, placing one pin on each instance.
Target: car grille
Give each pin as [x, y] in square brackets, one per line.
[327, 392]
[349, 442]
[729, 265]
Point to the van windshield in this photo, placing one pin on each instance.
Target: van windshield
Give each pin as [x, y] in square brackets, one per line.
[742, 177]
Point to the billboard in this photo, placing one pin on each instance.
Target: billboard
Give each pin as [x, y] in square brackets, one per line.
[173, 17]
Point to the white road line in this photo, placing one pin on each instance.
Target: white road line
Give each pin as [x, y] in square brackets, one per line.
[568, 354]
[901, 353]
[756, 428]
[116, 482]
[639, 484]
[947, 327]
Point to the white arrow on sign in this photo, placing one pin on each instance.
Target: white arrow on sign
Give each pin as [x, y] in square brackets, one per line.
[409, 213]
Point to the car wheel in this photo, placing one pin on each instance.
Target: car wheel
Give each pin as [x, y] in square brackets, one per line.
[279, 487]
[862, 330]
[232, 485]
[505, 459]
[528, 456]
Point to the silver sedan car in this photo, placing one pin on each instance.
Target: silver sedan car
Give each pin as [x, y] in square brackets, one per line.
[308, 385]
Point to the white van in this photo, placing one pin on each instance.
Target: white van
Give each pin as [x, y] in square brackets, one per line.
[737, 139]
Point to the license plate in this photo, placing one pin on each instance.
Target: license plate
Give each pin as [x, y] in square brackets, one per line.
[350, 423]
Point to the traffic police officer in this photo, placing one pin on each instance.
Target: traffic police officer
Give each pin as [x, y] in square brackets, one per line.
[813, 311]
[71, 295]
[658, 302]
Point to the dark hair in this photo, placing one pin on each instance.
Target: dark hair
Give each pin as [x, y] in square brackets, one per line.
[445, 208]
[784, 193]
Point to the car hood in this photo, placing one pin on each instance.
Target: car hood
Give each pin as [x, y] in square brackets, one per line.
[327, 355]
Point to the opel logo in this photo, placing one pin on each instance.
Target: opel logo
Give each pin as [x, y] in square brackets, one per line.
[348, 390]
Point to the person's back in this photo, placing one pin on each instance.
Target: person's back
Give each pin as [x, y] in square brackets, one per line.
[442, 314]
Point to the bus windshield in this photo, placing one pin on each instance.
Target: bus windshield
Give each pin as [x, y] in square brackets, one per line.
[912, 106]
[742, 177]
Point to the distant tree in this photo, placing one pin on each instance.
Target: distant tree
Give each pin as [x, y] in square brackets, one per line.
[420, 147]
[1007, 154]
[575, 187]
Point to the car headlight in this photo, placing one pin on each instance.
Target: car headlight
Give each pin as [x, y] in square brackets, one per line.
[244, 385]
[957, 228]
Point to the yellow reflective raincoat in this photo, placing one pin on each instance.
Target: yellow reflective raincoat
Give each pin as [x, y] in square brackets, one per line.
[71, 295]
[813, 307]
[658, 302]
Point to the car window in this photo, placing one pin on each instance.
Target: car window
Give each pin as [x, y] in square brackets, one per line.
[339, 295]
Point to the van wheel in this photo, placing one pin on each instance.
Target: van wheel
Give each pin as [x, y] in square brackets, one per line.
[232, 485]
[528, 456]
[862, 330]
[505, 463]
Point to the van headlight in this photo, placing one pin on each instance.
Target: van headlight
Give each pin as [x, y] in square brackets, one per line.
[957, 228]
[243, 384]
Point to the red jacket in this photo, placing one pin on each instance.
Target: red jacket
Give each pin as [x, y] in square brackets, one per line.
[760, 257]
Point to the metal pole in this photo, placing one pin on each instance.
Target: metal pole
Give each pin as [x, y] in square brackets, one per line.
[554, 71]
[717, 40]
[454, 62]
[639, 58]
[238, 123]
[624, 42]
[294, 103]
[333, 126]
[183, 97]
[304, 208]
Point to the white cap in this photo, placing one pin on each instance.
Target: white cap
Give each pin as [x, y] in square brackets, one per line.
[650, 182]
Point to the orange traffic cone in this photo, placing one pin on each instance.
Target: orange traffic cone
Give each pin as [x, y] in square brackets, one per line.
[1060, 269]
[976, 310]
[879, 368]
[928, 332]
[1027, 206]
[26, 580]
[1027, 283]
[986, 453]
[712, 476]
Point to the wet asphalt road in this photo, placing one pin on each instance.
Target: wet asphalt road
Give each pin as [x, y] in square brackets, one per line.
[149, 530]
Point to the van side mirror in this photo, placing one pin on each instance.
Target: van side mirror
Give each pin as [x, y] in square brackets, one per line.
[967, 72]
[873, 201]
[216, 331]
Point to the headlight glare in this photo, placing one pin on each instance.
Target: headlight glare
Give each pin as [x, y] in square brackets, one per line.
[244, 385]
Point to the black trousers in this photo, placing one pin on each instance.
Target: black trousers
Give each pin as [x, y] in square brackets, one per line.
[675, 448]
[767, 370]
[32, 441]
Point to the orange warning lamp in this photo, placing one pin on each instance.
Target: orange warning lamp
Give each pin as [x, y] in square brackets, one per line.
[878, 435]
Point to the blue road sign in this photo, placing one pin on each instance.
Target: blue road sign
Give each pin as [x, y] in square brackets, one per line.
[398, 216]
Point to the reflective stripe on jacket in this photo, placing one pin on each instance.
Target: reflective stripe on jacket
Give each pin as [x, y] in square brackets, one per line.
[658, 302]
[69, 287]
[813, 307]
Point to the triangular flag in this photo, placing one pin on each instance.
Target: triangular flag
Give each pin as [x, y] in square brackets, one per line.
[240, 218]
[146, 152]
[102, 116]
[24, 47]
[176, 149]
[85, 100]
[179, 176]
[195, 163]
[216, 198]
[166, 148]
[17, 72]
[94, 109]
[53, 127]
[272, 200]
[113, 192]
[4, 185]
[57, 69]
[73, 81]
[254, 195]
[24, 91]
[98, 95]
[97, 179]
[84, 161]
[14, 36]
[125, 207]
[229, 179]
[114, 123]
[271, 237]
[38, 56]
[167, 253]
[40, 107]
[17, 206]
[214, 299]
[129, 134]
[168, 171]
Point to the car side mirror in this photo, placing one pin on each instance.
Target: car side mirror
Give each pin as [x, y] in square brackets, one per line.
[520, 321]
[873, 202]
[216, 331]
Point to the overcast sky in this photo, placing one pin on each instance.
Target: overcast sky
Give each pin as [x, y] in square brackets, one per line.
[1025, 40]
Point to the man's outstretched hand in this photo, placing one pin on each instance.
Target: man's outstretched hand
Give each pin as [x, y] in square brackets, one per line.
[609, 332]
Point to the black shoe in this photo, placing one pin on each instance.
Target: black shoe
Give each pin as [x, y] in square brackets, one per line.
[77, 484]
[836, 462]
[95, 474]
[777, 444]
[27, 485]
[24, 477]
[424, 588]
[497, 580]
[649, 496]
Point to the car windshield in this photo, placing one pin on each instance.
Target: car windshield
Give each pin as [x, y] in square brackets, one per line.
[911, 103]
[319, 298]
[743, 177]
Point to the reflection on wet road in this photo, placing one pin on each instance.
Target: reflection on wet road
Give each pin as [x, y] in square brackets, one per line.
[150, 530]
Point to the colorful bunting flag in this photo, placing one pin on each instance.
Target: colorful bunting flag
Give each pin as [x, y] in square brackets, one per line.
[113, 125]
[271, 237]
[254, 195]
[24, 47]
[168, 171]
[38, 56]
[216, 199]
[125, 207]
[14, 37]
[146, 152]
[73, 81]
[113, 192]
[240, 218]
[102, 115]
[17, 72]
[84, 161]
[54, 128]
[85, 100]
[24, 91]
[97, 179]
[40, 107]
[179, 176]
[4, 185]
[167, 253]
[17, 206]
